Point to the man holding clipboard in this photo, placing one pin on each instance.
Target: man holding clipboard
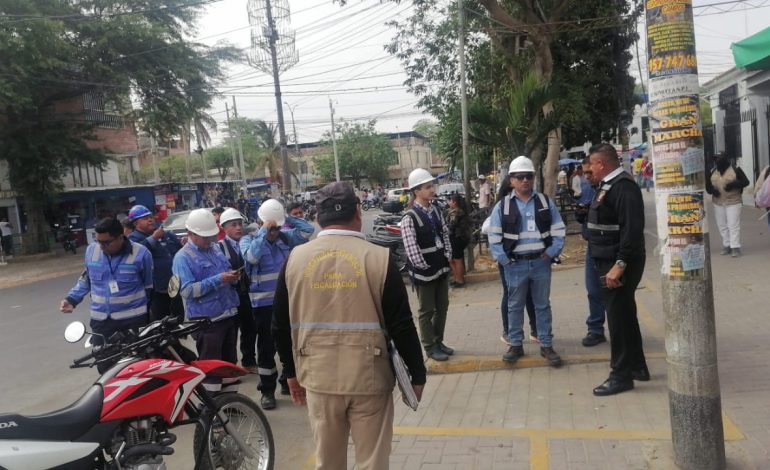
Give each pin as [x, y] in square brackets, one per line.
[339, 304]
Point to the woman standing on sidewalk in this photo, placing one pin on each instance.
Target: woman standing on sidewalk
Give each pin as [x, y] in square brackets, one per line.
[725, 184]
[459, 225]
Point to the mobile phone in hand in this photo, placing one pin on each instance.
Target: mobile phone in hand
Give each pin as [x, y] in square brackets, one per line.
[603, 281]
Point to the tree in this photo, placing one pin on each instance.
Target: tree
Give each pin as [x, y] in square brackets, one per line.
[221, 159]
[586, 68]
[57, 51]
[362, 153]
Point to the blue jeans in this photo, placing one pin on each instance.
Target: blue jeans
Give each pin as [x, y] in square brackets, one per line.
[595, 321]
[521, 278]
[504, 306]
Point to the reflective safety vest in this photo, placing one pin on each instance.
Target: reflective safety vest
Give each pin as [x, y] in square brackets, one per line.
[264, 274]
[511, 221]
[427, 235]
[130, 301]
[603, 224]
[217, 304]
[335, 285]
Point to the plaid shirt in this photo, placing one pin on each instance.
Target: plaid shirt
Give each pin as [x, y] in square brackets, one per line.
[409, 235]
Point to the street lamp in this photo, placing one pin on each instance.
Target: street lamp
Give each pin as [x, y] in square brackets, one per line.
[296, 141]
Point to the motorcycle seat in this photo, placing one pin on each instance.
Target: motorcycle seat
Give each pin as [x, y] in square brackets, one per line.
[65, 424]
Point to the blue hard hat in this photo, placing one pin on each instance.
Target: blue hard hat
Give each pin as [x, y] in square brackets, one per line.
[137, 212]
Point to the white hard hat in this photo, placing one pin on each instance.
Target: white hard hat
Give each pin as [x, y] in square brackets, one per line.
[230, 214]
[272, 210]
[521, 164]
[419, 176]
[202, 222]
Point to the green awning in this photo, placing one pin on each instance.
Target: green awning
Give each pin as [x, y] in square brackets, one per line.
[753, 53]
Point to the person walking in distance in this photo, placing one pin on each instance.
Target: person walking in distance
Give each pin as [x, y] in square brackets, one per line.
[163, 246]
[265, 252]
[207, 287]
[6, 231]
[336, 298]
[725, 183]
[118, 276]
[616, 238]
[231, 221]
[526, 232]
[596, 311]
[428, 250]
[485, 194]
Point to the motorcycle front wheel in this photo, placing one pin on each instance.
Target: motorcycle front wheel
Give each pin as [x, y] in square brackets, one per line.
[221, 449]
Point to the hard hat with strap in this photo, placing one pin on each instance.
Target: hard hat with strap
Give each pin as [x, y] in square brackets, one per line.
[272, 210]
[229, 215]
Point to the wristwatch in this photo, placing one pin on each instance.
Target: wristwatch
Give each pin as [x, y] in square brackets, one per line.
[621, 263]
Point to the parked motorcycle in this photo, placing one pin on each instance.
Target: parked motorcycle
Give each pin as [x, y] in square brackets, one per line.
[66, 237]
[122, 422]
[389, 236]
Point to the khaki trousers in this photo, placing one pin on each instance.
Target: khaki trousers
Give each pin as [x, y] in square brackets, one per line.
[367, 418]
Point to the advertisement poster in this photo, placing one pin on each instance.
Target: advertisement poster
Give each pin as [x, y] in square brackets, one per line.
[685, 247]
[670, 38]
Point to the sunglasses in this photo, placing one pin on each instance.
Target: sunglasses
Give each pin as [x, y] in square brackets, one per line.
[523, 176]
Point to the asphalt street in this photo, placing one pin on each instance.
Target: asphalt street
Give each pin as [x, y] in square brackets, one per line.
[36, 377]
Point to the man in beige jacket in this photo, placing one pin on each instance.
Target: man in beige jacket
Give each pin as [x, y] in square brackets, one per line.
[330, 310]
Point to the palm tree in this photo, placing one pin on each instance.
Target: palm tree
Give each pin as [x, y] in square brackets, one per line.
[520, 127]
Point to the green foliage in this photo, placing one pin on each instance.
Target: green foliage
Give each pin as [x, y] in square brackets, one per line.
[362, 153]
[220, 158]
[172, 169]
[59, 50]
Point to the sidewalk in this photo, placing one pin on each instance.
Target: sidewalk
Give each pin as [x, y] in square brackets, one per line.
[28, 269]
[479, 413]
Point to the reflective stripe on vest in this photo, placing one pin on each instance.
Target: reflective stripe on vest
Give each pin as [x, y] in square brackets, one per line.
[336, 326]
[123, 299]
[604, 227]
[122, 315]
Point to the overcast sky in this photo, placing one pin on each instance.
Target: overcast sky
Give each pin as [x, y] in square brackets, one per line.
[341, 57]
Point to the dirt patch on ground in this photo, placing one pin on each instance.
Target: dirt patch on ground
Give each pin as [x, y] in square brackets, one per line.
[573, 255]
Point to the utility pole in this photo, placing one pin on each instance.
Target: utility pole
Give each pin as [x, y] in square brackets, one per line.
[334, 144]
[230, 143]
[296, 142]
[154, 151]
[272, 51]
[688, 301]
[240, 151]
[464, 118]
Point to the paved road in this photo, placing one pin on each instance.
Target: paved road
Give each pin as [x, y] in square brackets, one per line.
[36, 377]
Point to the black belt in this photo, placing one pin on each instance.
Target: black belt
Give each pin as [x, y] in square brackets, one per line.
[528, 256]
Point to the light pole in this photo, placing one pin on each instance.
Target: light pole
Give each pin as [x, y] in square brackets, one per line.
[296, 142]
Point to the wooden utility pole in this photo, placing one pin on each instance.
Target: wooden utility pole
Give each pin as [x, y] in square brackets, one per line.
[334, 143]
[688, 301]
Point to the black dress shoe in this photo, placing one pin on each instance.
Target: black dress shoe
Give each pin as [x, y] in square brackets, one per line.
[641, 375]
[445, 349]
[613, 386]
[268, 401]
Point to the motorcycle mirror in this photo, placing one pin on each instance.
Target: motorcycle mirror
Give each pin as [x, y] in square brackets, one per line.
[74, 332]
[173, 286]
[88, 342]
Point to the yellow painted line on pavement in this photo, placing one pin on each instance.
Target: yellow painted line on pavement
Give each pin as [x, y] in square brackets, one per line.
[539, 448]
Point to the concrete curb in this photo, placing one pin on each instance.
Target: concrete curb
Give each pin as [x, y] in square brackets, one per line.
[38, 278]
[461, 364]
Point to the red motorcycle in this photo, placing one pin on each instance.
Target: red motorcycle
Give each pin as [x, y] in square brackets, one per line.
[153, 384]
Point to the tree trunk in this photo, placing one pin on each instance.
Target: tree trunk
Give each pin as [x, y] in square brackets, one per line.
[544, 70]
[36, 238]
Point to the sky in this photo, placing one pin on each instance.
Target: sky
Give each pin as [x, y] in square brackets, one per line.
[342, 58]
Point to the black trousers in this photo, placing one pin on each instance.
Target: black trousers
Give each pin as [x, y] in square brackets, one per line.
[108, 327]
[217, 341]
[161, 306]
[268, 374]
[626, 349]
[248, 327]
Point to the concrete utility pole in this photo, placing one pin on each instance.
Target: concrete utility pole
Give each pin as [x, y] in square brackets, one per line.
[678, 158]
[334, 144]
[154, 151]
[231, 145]
[240, 151]
[272, 51]
[296, 142]
[464, 118]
